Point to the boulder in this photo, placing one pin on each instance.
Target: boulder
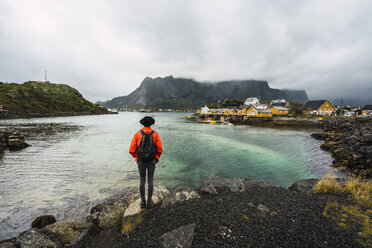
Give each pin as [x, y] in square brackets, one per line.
[43, 221]
[217, 185]
[109, 214]
[17, 143]
[180, 237]
[179, 194]
[35, 238]
[304, 185]
[66, 231]
[133, 215]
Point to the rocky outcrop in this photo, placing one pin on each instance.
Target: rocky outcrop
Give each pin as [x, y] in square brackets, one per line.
[217, 185]
[66, 231]
[133, 215]
[179, 194]
[350, 143]
[12, 141]
[35, 238]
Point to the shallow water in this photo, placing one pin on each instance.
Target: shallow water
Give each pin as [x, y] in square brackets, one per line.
[75, 162]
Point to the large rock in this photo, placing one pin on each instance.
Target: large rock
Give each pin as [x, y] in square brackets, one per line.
[134, 213]
[66, 231]
[181, 237]
[217, 185]
[109, 214]
[179, 194]
[43, 221]
[34, 238]
[304, 185]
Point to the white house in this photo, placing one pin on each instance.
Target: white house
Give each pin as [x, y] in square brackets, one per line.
[204, 110]
[251, 101]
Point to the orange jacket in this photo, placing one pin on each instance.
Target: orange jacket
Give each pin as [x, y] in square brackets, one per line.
[136, 141]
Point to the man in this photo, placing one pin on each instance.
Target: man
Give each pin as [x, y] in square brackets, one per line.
[146, 160]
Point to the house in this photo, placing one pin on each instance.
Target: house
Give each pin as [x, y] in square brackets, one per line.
[261, 106]
[204, 110]
[278, 110]
[367, 110]
[254, 112]
[279, 102]
[318, 107]
[251, 101]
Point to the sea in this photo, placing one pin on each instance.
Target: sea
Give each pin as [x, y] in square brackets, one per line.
[74, 163]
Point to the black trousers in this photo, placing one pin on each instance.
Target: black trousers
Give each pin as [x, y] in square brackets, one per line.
[150, 168]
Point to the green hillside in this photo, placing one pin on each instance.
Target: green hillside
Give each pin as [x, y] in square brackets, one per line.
[45, 98]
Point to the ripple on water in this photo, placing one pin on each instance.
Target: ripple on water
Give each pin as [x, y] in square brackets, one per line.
[76, 162]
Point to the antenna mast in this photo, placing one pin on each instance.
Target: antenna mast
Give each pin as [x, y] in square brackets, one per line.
[45, 72]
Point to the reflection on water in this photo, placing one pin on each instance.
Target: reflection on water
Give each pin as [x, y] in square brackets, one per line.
[75, 162]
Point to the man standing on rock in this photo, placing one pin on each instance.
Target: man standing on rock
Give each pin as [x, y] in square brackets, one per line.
[146, 147]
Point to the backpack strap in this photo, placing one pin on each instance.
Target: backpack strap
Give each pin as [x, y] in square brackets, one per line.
[143, 133]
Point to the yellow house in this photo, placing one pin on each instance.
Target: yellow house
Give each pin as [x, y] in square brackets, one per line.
[319, 107]
[367, 110]
[278, 110]
[254, 112]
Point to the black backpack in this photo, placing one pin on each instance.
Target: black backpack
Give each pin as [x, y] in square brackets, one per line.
[146, 150]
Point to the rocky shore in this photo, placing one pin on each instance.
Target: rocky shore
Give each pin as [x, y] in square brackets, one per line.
[222, 212]
[350, 143]
[14, 115]
[12, 141]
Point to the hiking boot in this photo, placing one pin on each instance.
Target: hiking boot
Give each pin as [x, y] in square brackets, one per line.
[143, 204]
[149, 204]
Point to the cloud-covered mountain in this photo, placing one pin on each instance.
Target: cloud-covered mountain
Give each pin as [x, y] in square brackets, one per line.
[179, 93]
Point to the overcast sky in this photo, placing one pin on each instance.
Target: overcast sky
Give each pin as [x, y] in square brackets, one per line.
[106, 48]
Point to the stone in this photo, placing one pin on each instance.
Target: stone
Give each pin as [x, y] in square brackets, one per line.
[133, 215]
[66, 231]
[181, 237]
[109, 214]
[304, 186]
[217, 185]
[8, 245]
[34, 238]
[263, 208]
[43, 221]
[180, 194]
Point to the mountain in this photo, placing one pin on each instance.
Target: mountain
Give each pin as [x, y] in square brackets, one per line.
[45, 98]
[181, 93]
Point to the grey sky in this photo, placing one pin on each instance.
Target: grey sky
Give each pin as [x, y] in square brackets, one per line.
[105, 48]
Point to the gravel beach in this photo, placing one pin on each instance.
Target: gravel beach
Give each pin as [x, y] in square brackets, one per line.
[258, 217]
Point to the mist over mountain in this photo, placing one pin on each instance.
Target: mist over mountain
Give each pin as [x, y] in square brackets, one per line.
[181, 93]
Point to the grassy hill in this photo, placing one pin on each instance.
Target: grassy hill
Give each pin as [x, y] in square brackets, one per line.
[45, 98]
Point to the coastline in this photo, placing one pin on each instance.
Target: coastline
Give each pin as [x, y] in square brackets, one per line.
[57, 114]
[228, 212]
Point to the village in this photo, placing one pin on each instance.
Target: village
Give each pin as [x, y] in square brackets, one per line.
[255, 111]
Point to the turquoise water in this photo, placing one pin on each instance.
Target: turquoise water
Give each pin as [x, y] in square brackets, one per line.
[86, 160]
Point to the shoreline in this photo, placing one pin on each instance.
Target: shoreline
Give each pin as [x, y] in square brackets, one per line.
[241, 205]
[43, 115]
